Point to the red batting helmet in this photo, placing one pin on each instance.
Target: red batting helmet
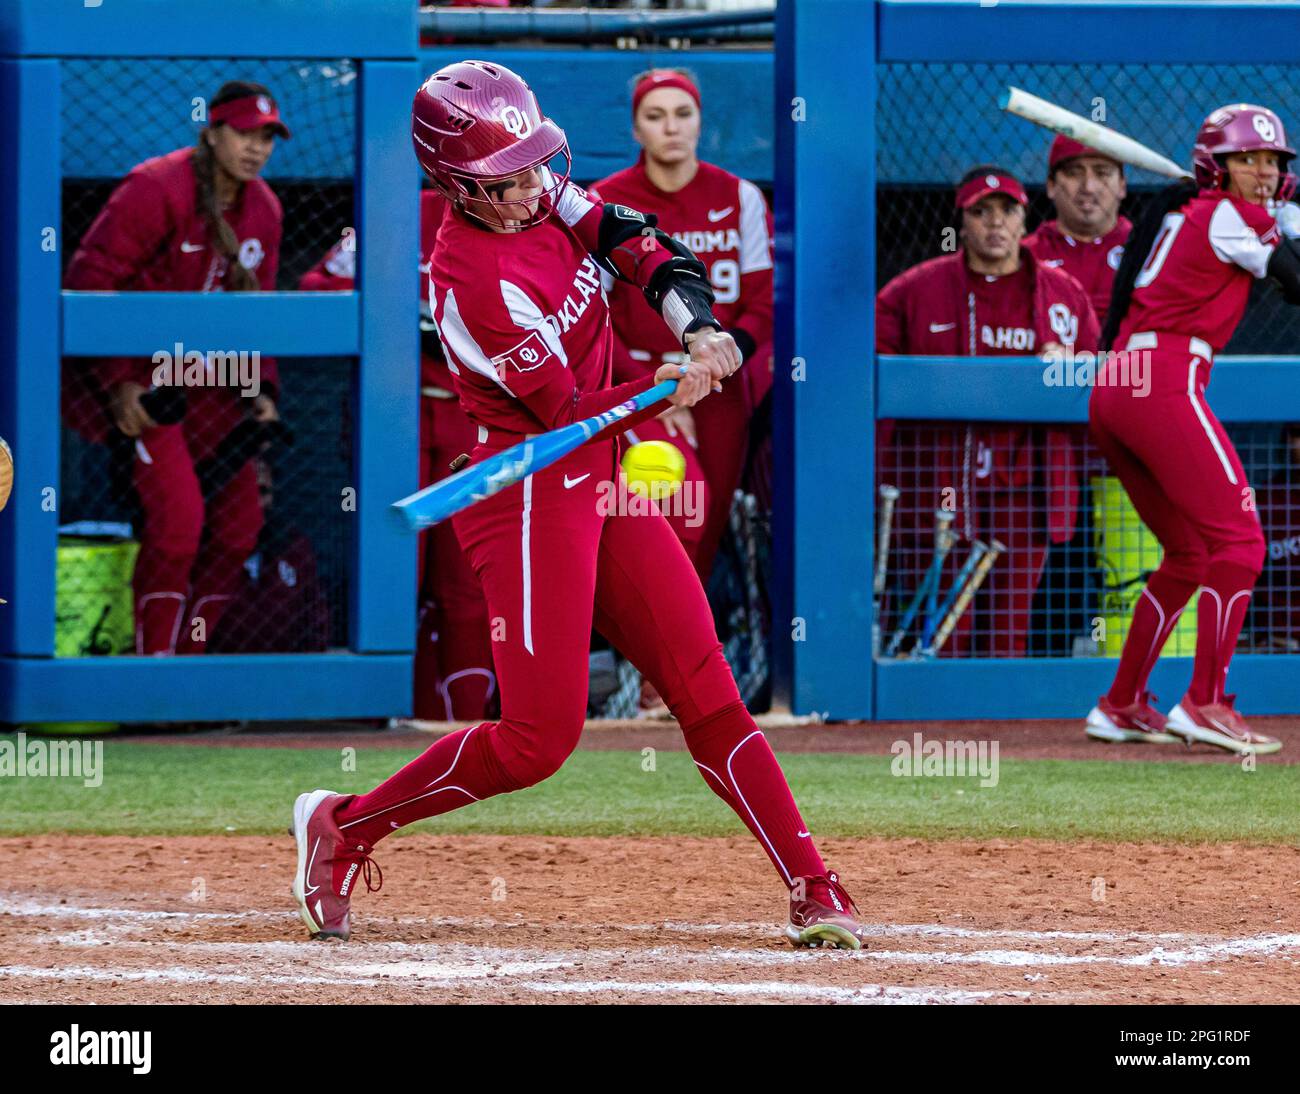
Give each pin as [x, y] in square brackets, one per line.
[1241, 127]
[474, 123]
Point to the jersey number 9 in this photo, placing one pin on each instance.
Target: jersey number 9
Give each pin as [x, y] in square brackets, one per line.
[725, 276]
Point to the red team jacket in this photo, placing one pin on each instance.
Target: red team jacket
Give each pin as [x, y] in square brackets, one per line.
[150, 236]
[939, 308]
[726, 222]
[1093, 264]
[525, 323]
[1206, 256]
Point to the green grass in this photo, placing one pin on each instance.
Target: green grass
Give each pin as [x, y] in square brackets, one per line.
[177, 790]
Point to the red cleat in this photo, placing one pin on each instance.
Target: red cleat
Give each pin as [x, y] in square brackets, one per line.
[1219, 724]
[823, 914]
[1138, 721]
[328, 865]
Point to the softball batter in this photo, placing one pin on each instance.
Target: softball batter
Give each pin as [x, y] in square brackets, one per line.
[515, 290]
[1179, 294]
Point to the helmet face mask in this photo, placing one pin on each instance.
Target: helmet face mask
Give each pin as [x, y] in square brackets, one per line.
[476, 126]
[1241, 127]
[482, 197]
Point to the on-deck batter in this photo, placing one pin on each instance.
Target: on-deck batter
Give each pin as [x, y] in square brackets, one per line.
[1179, 294]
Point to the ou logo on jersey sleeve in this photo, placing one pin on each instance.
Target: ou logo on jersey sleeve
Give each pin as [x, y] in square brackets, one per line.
[532, 353]
[1064, 323]
[251, 254]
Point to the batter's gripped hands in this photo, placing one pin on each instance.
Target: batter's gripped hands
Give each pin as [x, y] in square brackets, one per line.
[128, 415]
[693, 382]
[716, 350]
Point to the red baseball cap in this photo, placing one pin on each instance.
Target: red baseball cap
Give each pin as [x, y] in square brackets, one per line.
[1067, 148]
[250, 112]
[996, 182]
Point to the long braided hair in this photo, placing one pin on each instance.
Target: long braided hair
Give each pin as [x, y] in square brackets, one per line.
[224, 241]
[1136, 250]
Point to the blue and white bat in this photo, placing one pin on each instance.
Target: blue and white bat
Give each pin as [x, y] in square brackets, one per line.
[481, 480]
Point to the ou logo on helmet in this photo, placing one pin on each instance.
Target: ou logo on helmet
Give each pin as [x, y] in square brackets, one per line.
[515, 122]
[1265, 128]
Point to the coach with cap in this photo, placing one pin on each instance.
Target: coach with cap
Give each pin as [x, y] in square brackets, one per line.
[1017, 483]
[1087, 237]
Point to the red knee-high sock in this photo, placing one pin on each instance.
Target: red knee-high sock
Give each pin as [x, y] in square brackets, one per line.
[456, 770]
[1220, 613]
[739, 766]
[1154, 617]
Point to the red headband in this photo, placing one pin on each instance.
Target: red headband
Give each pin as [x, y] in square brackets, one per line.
[663, 77]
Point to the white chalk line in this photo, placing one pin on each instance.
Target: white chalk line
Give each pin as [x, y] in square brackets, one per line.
[1262, 945]
[865, 993]
[421, 959]
[875, 930]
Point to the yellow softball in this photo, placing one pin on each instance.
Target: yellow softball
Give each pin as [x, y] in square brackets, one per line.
[654, 469]
[6, 472]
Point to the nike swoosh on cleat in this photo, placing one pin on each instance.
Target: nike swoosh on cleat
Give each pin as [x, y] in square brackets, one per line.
[1227, 731]
[309, 888]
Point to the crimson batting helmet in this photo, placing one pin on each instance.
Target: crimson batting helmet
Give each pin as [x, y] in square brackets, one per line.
[474, 123]
[1241, 127]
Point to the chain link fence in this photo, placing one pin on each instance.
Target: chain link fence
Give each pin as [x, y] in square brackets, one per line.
[1066, 583]
[222, 526]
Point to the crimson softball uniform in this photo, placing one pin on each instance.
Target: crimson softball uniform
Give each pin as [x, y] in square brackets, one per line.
[454, 678]
[525, 326]
[151, 236]
[1016, 483]
[1167, 447]
[1092, 264]
[725, 221]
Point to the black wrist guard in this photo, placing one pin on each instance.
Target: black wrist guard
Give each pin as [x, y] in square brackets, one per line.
[622, 230]
[680, 292]
[1284, 268]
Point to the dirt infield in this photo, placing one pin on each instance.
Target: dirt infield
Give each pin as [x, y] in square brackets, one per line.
[536, 919]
